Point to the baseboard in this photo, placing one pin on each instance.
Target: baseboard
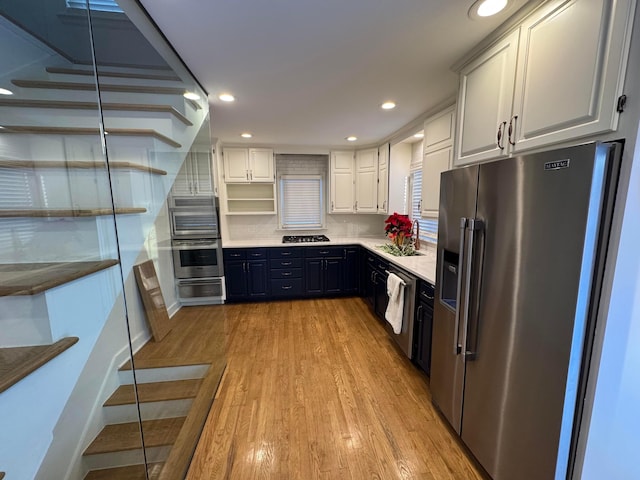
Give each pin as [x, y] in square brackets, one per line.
[173, 309]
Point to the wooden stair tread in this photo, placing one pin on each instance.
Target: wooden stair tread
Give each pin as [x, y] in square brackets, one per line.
[106, 73]
[130, 132]
[91, 86]
[78, 164]
[131, 472]
[85, 212]
[34, 278]
[18, 362]
[71, 104]
[155, 392]
[126, 436]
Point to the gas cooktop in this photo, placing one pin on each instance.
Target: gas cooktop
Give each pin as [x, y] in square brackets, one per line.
[304, 238]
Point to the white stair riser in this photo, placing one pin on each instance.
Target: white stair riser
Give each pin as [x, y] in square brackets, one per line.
[150, 375]
[148, 411]
[122, 459]
[24, 320]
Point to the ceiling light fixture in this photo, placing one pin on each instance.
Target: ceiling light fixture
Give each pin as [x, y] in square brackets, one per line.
[191, 96]
[246, 135]
[388, 105]
[418, 135]
[226, 97]
[351, 138]
[4, 91]
[486, 8]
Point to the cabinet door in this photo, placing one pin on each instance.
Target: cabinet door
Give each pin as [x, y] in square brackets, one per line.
[333, 275]
[257, 279]
[236, 165]
[367, 181]
[383, 178]
[201, 170]
[434, 163]
[569, 71]
[342, 182]
[182, 185]
[351, 270]
[484, 102]
[424, 323]
[261, 165]
[235, 279]
[313, 273]
[439, 130]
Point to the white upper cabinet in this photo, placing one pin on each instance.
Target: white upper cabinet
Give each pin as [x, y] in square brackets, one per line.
[571, 59]
[342, 182]
[569, 77]
[194, 177]
[438, 157]
[383, 178]
[261, 165]
[367, 181]
[486, 92]
[246, 165]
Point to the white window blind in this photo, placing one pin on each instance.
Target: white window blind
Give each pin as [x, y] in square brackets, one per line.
[428, 227]
[301, 202]
[15, 193]
[97, 5]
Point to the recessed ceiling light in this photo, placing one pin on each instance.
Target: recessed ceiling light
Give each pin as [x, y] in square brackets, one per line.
[418, 135]
[226, 97]
[486, 8]
[191, 96]
[4, 91]
[351, 139]
[388, 105]
[246, 135]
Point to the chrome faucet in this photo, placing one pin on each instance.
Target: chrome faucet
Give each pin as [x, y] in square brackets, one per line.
[415, 232]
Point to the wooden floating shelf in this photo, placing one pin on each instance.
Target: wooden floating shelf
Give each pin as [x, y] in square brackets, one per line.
[51, 213]
[18, 362]
[131, 472]
[34, 278]
[127, 132]
[33, 164]
[73, 105]
[105, 87]
[104, 73]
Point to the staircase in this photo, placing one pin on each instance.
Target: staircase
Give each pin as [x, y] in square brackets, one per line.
[58, 285]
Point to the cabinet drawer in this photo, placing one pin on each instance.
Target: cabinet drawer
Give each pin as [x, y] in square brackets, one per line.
[286, 263]
[426, 292]
[322, 252]
[256, 254]
[286, 287]
[282, 252]
[286, 273]
[234, 254]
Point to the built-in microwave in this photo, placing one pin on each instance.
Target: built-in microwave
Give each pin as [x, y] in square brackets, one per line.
[197, 258]
[193, 217]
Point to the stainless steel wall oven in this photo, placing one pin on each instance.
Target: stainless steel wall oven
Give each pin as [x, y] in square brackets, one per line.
[197, 258]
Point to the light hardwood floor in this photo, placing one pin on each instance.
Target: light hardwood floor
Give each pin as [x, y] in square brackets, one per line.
[314, 389]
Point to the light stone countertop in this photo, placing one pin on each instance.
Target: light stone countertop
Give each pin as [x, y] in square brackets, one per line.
[423, 266]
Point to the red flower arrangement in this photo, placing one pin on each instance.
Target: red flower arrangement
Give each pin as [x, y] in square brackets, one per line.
[398, 227]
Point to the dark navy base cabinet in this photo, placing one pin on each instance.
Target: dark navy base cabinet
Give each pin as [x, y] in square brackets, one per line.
[246, 274]
[422, 327]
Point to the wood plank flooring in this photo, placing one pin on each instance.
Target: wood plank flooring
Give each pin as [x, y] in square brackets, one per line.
[314, 389]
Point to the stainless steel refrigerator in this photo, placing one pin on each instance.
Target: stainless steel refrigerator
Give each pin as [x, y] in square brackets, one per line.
[521, 246]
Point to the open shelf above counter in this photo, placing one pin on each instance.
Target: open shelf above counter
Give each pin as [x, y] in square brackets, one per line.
[251, 199]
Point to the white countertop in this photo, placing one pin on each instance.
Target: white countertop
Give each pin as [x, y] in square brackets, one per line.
[422, 266]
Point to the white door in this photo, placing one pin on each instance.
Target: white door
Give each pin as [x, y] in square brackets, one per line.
[342, 182]
[236, 165]
[367, 181]
[261, 165]
[484, 103]
[433, 164]
[569, 73]
[383, 179]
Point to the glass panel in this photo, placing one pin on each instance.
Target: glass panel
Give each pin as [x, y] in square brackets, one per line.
[63, 329]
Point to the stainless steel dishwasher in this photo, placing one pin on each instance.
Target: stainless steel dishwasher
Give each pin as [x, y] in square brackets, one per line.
[405, 338]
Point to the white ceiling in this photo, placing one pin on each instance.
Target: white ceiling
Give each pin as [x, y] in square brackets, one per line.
[311, 72]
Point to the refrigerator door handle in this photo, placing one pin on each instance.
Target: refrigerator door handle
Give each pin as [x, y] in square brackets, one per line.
[457, 346]
[474, 225]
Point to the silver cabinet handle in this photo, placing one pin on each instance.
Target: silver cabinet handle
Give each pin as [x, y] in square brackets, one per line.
[332, 207]
[512, 129]
[287, 287]
[286, 274]
[500, 134]
[286, 264]
[356, 206]
[247, 174]
[456, 326]
[419, 313]
[323, 252]
[250, 174]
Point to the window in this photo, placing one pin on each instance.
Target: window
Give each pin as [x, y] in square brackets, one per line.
[96, 5]
[428, 226]
[301, 202]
